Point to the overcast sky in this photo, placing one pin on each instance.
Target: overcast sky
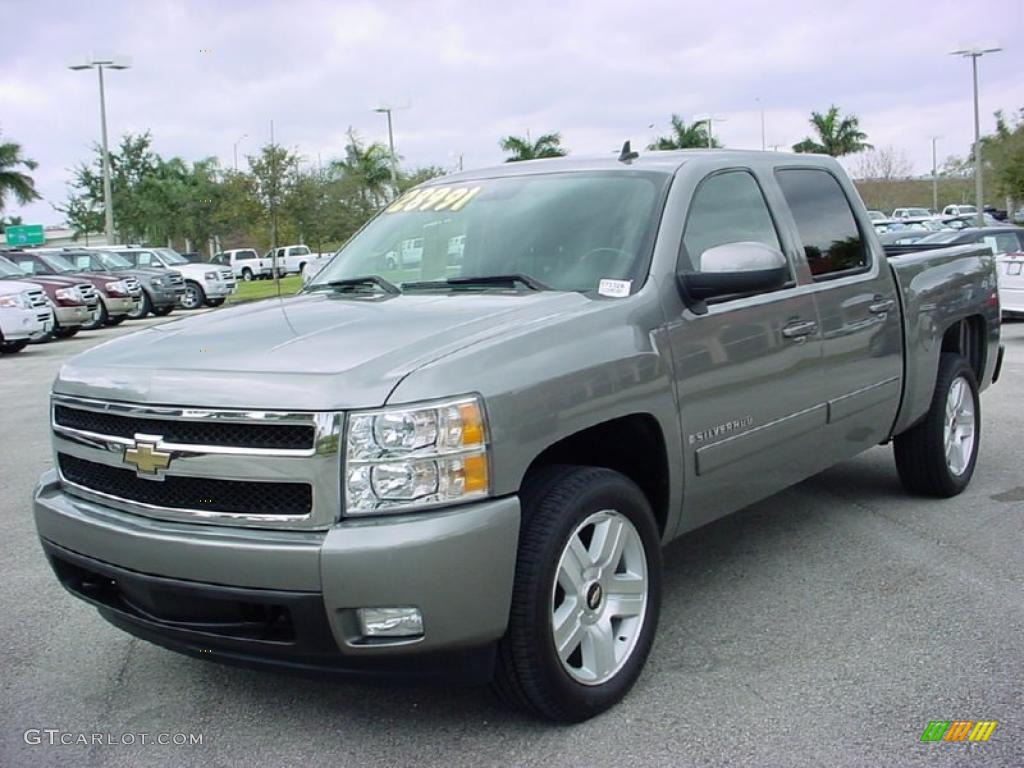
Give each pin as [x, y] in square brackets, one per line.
[467, 73]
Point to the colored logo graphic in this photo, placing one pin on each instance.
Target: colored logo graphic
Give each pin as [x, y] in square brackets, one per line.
[958, 730]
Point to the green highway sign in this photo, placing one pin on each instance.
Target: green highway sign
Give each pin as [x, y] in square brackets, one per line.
[25, 234]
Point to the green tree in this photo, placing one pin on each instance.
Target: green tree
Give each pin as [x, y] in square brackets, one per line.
[684, 136]
[1003, 152]
[12, 180]
[426, 173]
[836, 136]
[368, 166]
[548, 145]
[10, 221]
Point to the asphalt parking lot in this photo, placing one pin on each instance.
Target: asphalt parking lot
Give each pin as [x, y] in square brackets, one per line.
[824, 626]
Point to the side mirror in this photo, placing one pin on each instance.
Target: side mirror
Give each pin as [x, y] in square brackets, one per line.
[744, 267]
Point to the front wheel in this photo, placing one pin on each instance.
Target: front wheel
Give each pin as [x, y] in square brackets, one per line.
[586, 597]
[10, 347]
[194, 296]
[63, 332]
[163, 311]
[144, 308]
[936, 457]
[214, 302]
[100, 319]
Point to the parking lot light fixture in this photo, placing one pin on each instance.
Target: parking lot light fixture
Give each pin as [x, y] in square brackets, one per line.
[99, 63]
[974, 54]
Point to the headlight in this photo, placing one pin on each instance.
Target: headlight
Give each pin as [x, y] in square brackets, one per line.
[117, 287]
[12, 300]
[67, 294]
[406, 457]
[210, 276]
[158, 282]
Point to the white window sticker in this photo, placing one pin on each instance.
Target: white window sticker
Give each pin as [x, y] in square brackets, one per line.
[617, 289]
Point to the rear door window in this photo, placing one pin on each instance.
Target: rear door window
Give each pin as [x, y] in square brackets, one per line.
[824, 219]
[1002, 242]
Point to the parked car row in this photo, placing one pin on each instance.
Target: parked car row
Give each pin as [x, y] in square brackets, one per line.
[53, 293]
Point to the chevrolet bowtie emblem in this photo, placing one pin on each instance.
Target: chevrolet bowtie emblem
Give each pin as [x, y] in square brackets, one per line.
[146, 459]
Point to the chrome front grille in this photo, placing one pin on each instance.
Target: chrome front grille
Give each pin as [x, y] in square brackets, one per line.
[226, 275]
[88, 294]
[133, 286]
[175, 278]
[227, 467]
[36, 298]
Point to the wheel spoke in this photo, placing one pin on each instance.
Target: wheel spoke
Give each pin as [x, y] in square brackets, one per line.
[626, 597]
[598, 649]
[606, 547]
[568, 630]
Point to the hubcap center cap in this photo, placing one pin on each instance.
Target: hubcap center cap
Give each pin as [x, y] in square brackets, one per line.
[594, 596]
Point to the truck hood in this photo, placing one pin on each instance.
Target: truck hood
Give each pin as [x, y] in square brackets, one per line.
[196, 271]
[314, 352]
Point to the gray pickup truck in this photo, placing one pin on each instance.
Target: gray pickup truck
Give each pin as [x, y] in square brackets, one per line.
[469, 468]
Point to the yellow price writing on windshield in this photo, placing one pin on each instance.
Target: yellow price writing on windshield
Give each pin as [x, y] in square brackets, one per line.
[434, 199]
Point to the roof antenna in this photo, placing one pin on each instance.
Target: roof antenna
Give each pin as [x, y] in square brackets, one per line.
[627, 155]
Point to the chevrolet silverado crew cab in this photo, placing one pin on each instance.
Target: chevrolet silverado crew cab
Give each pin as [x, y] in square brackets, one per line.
[208, 284]
[245, 264]
[469, 469]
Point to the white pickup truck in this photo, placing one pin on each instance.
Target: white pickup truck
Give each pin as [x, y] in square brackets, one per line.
[245, 263]
[292, 258]
[25, 315]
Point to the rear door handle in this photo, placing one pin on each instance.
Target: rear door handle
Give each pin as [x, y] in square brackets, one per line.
[799, 331]
[881, 307]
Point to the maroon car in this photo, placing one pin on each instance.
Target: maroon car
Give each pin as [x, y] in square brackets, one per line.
[118, 294]
[75, 302]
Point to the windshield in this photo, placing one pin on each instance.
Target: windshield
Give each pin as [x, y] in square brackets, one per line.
[58, 263]
[567, 231]
[940, 237]
[8, 269]
[113, 261]
[171, 256]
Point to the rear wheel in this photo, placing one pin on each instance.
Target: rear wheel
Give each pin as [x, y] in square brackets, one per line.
[586, 596]
[936, 457]
[144, 308]
[247, 274]
[194, 296]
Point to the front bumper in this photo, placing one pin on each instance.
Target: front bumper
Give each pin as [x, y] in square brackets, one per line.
[218, 289]
[71, 317]
[120, 305]
[287, 599]
[21, 324]
[164, 296]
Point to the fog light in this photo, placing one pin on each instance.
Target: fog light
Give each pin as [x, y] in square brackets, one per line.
[390, 622]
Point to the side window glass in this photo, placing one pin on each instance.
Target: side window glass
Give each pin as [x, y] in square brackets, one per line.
[726, 208]
[831, 239]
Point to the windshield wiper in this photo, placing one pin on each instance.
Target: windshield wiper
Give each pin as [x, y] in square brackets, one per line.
[485, 280]
[356, 282]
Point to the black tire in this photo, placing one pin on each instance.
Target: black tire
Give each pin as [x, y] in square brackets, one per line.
[62, 332]
[214, 302]
[920, 452]
[247, 274]
[112, 321]
[194, 296]
[100, 321]
[163, 311]
[10, 347]
[530, 675]
[145, 307]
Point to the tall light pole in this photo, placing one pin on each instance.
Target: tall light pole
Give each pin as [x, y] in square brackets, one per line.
[710, 120]
[99, 63]
[974, 54]
[234, 149]
[391, 147]
[935, 176]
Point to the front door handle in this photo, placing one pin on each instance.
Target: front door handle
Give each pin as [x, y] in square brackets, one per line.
[799, 331]
[881, 307]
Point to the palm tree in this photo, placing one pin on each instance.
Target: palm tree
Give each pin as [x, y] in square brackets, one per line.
[548, 145]
[13, 181]
[837, 137]
[369, 166]
[684, 136]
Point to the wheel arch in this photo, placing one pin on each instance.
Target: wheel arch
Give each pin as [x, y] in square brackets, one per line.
[633, 445]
